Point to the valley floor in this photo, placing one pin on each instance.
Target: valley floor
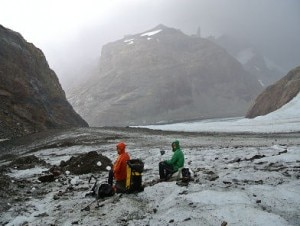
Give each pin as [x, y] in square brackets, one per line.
[239, 178]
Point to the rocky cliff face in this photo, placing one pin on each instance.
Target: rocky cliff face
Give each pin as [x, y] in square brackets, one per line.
[164, 75]
[31, 98]
[276, 95]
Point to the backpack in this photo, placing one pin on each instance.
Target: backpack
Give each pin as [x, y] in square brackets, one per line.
[135, 168]
[186, 175]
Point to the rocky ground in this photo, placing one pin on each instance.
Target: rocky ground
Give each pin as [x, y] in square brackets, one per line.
[241, 179]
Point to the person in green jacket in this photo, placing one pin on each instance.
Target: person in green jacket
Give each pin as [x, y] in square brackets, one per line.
[168, 167]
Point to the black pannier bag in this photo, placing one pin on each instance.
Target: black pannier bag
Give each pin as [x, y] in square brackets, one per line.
[135, 168]
[105, 190]
[100, 191]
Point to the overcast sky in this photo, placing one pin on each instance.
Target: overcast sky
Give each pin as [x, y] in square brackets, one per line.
[72, 32]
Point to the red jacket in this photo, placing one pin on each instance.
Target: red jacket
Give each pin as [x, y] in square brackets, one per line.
[119, 168]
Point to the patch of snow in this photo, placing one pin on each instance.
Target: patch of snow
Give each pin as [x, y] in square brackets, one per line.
[27, 173]
[292, 156]
[151, 33]
[19, 220]
[99, 163]
[261, 83]
[130, 43]
[75, 180]
[209, 197]
[275, 196]
[129, 40]
[285, 119]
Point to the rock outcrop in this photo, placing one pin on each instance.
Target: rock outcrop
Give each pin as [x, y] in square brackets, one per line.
[162, 76]
[276, 95]
[31, 97]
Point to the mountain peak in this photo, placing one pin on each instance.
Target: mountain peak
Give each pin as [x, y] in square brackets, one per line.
[163, 28]
[163, 74]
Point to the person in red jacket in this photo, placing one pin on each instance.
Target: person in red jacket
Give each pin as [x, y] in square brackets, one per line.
[119, 171]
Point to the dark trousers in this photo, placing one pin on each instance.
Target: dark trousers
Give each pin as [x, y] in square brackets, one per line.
[165, 170]
[120, 185]
[110, 177]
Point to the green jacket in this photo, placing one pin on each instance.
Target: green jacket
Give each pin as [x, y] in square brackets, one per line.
[177, 160]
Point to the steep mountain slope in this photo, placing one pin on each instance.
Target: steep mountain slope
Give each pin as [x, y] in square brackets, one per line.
[277, 95]
[31, 98]
[252, 60]
[163, 75]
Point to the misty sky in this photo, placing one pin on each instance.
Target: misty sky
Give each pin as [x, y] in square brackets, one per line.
[72, 32]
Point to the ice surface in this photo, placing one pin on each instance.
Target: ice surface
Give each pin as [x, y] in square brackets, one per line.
[201, 203]
[285, 119]
[27, 173]
[242, 180]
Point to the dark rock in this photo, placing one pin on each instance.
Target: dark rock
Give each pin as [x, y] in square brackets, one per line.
[237, 159]
[210, 175]
[235, 180]
[255, 157]
[56, 197]
[259, 182]
[282, 152]
[224, 223]
[42, 215]
[227, 182]
[25, 223]
[62, 163]
[47, 178]
[213, 177]
[276, 95]
[87, 163]
[55, 170]
[31, 97]
[27, 162]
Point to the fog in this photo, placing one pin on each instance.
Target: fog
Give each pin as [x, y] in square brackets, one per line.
[72, 33]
